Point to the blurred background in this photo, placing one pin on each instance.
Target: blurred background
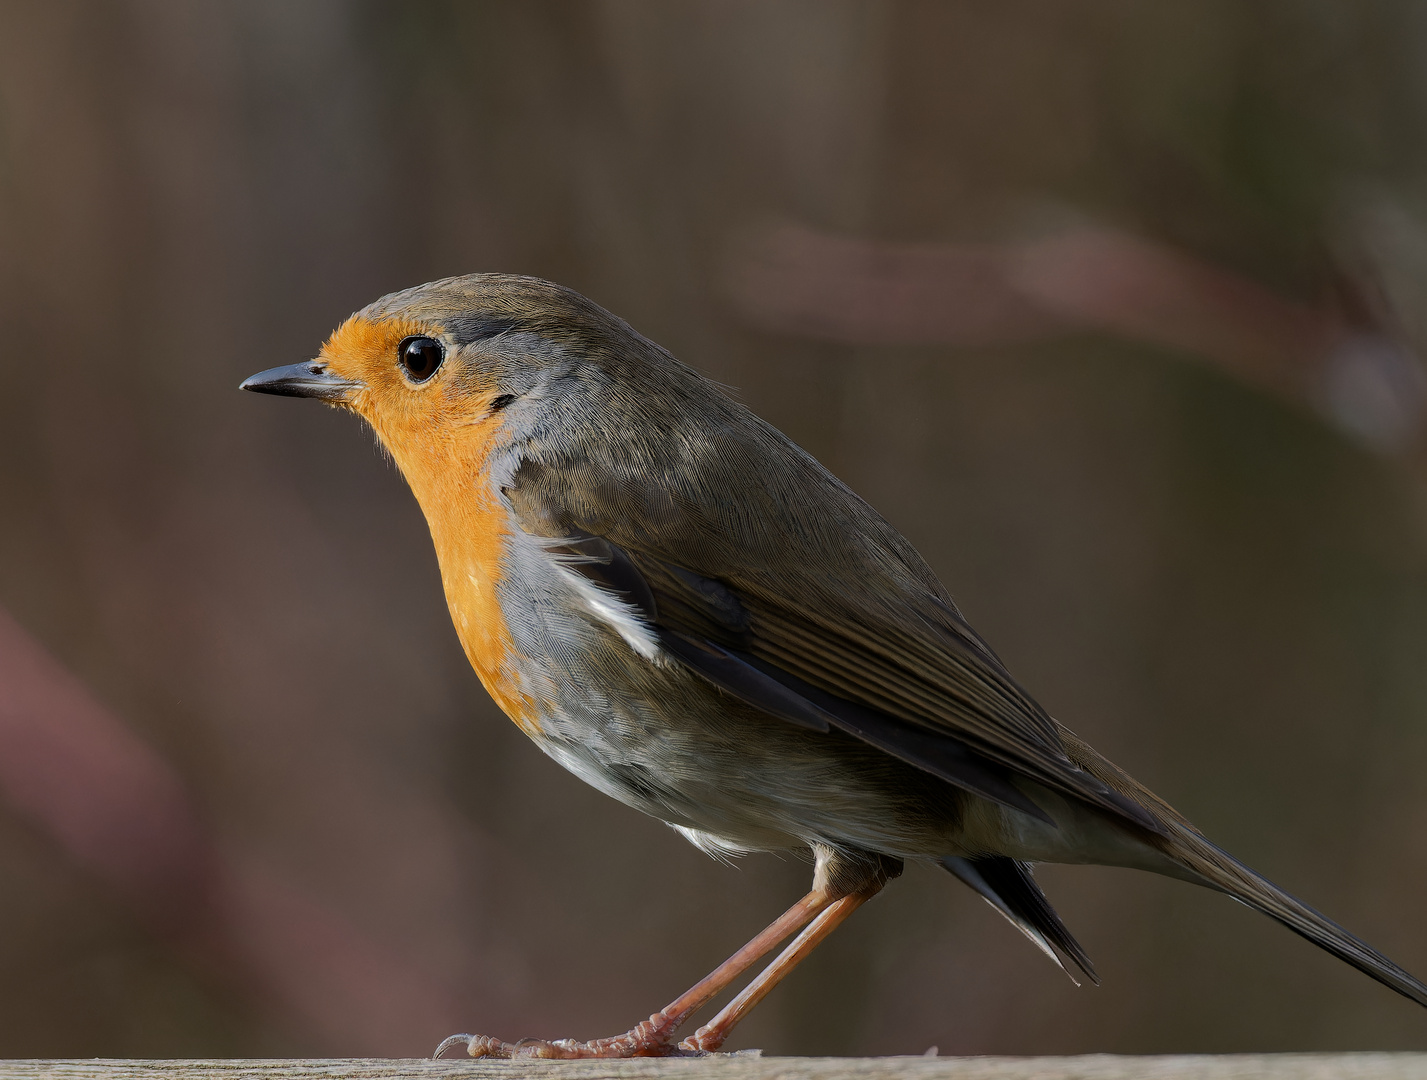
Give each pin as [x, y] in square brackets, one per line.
[1115, 309]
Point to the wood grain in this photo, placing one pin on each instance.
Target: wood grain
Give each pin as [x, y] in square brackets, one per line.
[749, 1066]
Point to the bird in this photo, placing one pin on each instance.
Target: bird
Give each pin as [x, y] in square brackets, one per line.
[686, 610]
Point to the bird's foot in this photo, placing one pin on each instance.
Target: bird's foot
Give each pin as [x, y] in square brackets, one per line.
[652, 1038]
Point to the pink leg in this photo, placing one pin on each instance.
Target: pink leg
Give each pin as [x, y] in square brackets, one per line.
[654, 1037]
[712, 1035]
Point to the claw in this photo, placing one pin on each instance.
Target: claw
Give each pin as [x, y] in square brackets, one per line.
[450, 1041]
[652, 1038]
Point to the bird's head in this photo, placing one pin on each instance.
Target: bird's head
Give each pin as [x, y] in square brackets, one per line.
[440, 370]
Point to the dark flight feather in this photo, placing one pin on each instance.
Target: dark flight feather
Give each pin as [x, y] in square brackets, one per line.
[745, 682]
[1007, 885]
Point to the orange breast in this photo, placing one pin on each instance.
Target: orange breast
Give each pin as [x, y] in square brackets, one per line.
[469, 532]
[441, 436]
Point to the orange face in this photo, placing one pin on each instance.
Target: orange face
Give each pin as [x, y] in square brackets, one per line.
[429, 424]
[440, 431]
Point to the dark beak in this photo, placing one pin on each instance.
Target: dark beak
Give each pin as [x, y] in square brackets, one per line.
[308, 379]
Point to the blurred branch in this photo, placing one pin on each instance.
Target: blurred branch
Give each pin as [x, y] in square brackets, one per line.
[793, 280]
[107, 800]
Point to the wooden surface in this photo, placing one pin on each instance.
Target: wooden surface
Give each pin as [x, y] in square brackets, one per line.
[1363, 1066]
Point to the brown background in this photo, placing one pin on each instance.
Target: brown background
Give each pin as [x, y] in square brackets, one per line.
[252, 801]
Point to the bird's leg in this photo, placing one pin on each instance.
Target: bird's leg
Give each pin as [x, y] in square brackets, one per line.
[712, 1035]
[654, 1037]
[847, 876]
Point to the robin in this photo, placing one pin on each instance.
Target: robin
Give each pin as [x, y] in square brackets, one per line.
[687, 611]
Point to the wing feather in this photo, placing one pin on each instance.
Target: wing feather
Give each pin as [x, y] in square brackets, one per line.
[931, 700]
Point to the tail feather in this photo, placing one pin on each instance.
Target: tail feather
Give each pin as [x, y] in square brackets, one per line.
[1216, 868]
[1222, 870]
[1007, 885]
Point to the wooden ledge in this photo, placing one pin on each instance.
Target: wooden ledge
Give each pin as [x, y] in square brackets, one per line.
[749, 1066]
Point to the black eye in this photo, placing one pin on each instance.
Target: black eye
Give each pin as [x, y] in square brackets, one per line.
[419, 357]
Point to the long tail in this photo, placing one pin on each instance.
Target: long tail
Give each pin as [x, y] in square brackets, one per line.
[1217, 868]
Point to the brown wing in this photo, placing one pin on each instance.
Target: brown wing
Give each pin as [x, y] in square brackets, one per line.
[940, 687]
[939, 700]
